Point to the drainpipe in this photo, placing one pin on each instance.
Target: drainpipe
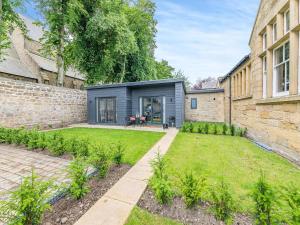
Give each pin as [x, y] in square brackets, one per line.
[230, 100]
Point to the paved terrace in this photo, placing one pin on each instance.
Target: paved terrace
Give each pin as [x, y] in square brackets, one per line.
[17, 163]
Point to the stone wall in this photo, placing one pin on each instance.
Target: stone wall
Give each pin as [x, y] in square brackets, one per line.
[210, 107]
[32, 104]
[273, 121]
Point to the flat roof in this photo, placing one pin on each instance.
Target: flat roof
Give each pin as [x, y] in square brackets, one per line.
[136, 84]
[206, 91]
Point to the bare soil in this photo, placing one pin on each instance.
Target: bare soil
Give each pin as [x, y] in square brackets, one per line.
[177, 210]
[68, 210]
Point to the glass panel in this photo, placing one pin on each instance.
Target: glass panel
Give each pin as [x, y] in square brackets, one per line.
[280, 72]
[287, 76]
[147, 109]
[287, 51]
[157, 110]
[279, 56]
[110, 108]
[102, 110]
[287, 21]
[194, 103]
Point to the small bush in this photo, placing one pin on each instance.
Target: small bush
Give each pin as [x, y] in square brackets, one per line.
[200, 129]
[192, 188]
[57, 144]
[33, 142]
[77, 171]
[42, 141]
[291, 195]
[232, 130]
[118, 153]
[222, 202]
[26, 204]
[160, 183]
[205, 128]
[190, 128]
[77, 147]
[162, 189]
[264, 199]
[100, 159]
[224, 130]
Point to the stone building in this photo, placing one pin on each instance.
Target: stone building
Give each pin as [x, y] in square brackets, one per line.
[262, 91]
[24, 61]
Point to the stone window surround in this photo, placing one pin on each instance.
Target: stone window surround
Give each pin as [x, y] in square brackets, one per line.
[265, 74]
[275, 36]
[241, 82]
[284, 62]
[293, 8]
[195, 101]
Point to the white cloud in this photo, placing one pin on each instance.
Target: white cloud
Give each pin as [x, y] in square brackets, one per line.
[204, 42]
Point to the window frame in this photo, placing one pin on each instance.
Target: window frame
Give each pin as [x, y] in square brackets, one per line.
[265, 74]
[196, 106]
[264, 41]
[287, 18]
[275, 32]
[277, 93]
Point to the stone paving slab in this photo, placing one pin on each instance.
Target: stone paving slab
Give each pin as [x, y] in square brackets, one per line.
[115, 206]
[17, 163]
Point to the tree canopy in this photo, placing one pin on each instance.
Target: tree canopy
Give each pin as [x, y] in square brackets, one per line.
[9, 20]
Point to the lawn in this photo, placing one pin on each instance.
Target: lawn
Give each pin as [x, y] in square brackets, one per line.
[137, 142]
[142, 217]
[236, 159]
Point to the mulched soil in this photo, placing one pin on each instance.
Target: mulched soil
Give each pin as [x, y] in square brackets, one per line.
[178, 211]
[67, 210]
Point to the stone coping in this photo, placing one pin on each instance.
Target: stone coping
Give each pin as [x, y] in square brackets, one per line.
[279, 100]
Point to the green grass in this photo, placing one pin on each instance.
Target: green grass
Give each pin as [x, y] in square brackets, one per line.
[235, 158]
[137, 142]
[142, 217]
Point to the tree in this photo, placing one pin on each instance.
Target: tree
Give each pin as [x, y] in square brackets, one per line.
[209, 82]
[141, 63]
[115, 41]
[164, 70]
[180, 75]
[9, 20]
[58, 15]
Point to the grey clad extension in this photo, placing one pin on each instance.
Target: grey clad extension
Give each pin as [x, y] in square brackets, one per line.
[160, 101]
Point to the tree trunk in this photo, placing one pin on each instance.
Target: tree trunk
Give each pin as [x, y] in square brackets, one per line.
[60, 52]
[123, 70]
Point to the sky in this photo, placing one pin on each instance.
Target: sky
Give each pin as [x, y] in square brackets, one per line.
[201, 37]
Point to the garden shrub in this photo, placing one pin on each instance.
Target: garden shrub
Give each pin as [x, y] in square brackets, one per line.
[222, 202]
[118, 153]
[78, 173]
[192, 188]
[224, 130]
[291, 195]
[100, 159]
[205, 129]
[33, 142]
[160, 182]
[57, 144]
[27, 204]
[264, 198]
[42, 141]
[232, 130]
[77, 147]
[200, 129]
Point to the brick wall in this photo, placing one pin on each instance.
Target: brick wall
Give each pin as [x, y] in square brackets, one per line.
[210, 107]
[31, 104]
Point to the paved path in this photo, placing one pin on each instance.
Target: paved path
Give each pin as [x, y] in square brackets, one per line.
[115, 206]
[16, 163]
[138, 128]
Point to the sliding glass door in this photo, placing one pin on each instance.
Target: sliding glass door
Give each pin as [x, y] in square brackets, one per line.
[152, 109]
[106, 110]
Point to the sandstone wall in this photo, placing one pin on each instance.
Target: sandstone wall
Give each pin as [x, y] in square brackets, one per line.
[210, 107]
[31, 104]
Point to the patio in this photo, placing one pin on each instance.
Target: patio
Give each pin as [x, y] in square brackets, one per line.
[17, 163]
